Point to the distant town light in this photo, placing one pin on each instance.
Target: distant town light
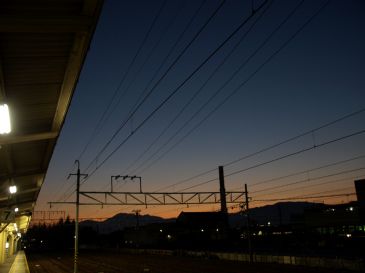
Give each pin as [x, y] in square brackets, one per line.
[351, 208]
[5, 127]
[217, 230]
[202, 230]
[348, 235]
[12, 189]
[168, 236]
[161, 230]
[268, 223]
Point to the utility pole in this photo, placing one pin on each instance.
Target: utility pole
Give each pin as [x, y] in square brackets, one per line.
[137, 211]
[248, 226]
[78, 175]
[222, 190]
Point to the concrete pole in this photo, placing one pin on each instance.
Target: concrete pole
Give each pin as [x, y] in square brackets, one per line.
[77, 217]
[222, 190]
[248, 225]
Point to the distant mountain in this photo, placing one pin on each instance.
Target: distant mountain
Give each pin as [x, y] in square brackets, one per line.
[121, 221]
[279, 213]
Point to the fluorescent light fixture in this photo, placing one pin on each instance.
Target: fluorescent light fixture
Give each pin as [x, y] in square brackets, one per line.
[5, 127]
[12, 189]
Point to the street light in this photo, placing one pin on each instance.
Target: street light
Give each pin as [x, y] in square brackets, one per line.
[5, 127]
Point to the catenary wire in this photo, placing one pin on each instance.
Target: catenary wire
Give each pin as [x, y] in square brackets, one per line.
[238, 87]
[175, 91]
[151, 91]
[282, 157]
[188, 103]
[121, 82]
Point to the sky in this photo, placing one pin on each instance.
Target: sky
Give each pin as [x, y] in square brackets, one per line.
[173, 89]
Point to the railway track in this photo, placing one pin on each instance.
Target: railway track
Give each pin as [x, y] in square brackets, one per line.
[113, 262]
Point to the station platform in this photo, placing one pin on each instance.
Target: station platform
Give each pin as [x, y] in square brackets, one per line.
[15, 264]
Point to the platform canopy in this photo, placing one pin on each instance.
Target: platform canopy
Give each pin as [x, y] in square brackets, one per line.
[43, 44]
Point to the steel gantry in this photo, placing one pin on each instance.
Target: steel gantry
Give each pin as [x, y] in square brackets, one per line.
[156, 198]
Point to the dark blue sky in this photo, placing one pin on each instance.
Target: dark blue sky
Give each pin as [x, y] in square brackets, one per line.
[315, 79]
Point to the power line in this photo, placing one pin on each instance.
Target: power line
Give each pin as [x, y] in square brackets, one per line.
[149, 55]
[162, 64]
[241, 85]
[308, 180]
[100, 123]
[150, 92]
[306, 197]
[176, 89]
[282, 157]
[307, 171]
[271, 147]
[196, 93]
[315, 185]
[191, 20]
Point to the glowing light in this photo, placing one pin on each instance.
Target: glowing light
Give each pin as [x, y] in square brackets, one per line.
[12, 189]
[16, 209]
[348, 235]
[5, 127]
[6, 245]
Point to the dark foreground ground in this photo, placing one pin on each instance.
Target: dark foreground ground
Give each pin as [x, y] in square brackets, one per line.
[109, 262]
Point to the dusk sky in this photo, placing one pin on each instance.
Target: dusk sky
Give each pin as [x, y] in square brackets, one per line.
[293, 67]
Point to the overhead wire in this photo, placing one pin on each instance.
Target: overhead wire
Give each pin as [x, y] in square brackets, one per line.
[191, 20]
[101, 122]
[195, 94]
[122, 125]
[351, 178]
[307, 180]
[176, 89]
[305, 197]
[149, 55]
[152, 89]
[268, 148]
[172, 49]
[282, 157]
[307, 171]
[242, 84]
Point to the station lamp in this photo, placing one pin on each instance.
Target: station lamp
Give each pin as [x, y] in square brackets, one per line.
[12, 189]
[5, 127]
